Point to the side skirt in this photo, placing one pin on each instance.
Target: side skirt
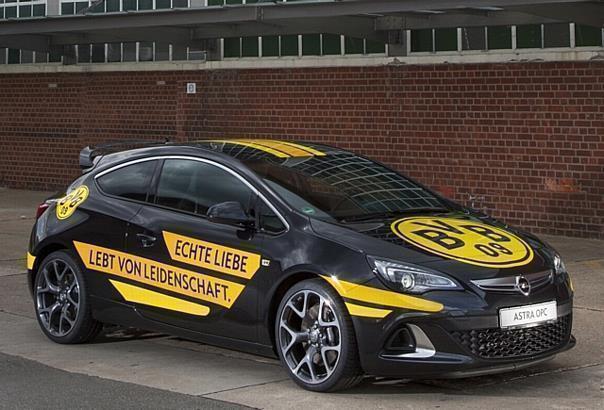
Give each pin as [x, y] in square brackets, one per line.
[122, 314]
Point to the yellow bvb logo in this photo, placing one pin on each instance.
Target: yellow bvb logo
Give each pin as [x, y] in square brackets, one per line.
[465, 240]
[68, 204]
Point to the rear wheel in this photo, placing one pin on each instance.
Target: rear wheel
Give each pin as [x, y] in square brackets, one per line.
[315, 338]
[61, 301]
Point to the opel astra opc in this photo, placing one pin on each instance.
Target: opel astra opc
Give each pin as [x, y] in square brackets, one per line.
[336, 264]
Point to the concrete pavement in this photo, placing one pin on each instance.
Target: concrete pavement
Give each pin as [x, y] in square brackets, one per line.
[179, 371]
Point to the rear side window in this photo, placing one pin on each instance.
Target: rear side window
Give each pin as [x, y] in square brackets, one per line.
[194, 186]
[131, 182]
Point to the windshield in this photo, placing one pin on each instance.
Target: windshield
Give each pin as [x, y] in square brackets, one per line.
[343, 187]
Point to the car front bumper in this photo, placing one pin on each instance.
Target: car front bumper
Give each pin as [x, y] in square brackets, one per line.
[453, 345]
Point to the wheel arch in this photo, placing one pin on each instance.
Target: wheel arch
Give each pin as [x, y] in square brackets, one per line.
[294, 277]
[277, 296]
[41, 254]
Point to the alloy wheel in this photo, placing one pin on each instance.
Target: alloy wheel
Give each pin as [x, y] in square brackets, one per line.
[310, 336]
[57, 297]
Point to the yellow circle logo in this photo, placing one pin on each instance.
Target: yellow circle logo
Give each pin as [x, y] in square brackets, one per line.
[465, 240]
[68, 204]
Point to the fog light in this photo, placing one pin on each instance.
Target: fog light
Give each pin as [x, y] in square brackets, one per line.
[401, 341]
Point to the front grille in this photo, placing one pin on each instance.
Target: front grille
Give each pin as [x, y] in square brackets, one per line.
[515, 343]
[510, 283]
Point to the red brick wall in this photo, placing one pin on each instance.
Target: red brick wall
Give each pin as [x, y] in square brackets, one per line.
[528, 137]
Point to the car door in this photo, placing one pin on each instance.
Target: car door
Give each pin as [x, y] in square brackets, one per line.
[209, 270]
[115, 196]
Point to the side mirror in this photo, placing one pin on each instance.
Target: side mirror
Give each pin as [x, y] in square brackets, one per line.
[230, 213]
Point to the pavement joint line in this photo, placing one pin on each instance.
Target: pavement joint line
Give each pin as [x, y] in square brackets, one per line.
[243, 387]
[580, 261]
[588, 308]
[218, 353]
[546, 372]
[15, 314]
[12, 274]
[234, 403]
[12, 260]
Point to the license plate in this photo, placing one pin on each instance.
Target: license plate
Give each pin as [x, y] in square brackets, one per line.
[528, 315]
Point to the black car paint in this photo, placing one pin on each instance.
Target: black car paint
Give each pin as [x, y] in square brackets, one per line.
[309, 247]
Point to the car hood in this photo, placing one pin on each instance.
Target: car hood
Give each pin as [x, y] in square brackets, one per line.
[465, 246]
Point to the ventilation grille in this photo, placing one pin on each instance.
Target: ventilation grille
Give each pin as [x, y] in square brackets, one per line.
[515, 343]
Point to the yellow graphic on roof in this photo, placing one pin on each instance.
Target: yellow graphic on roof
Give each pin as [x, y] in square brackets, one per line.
[159, 275]
[212, 256]
[280, 149]
[464, 240]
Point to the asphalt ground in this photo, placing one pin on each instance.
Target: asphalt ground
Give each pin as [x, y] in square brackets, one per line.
[28, 384]
[132, 368]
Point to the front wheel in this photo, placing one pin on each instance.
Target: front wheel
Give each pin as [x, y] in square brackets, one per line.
[315, 338]
[61, 301]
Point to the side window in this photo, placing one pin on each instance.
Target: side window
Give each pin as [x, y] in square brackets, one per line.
[269, 221]
[130, 182]
[195, 186]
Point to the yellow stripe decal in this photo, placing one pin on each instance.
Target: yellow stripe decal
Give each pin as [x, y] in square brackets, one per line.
[365, 311]
[278, 146]
[308, 149]
[212, 256]
[255, 146]
[280, 149]
[147, 297]
[159, 275]
[31, 259]
[290, 148]
[376, 296]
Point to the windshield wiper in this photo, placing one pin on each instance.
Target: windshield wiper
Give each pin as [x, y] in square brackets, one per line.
[390, 214]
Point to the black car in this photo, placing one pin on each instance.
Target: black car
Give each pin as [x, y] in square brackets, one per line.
[335, 263]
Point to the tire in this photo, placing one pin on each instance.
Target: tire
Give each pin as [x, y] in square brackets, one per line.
[307, 343]
[61, 301]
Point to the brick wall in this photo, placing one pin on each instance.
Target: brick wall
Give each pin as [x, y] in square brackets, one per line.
[527, 137]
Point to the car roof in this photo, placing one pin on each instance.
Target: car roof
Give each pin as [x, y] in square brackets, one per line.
[240, 149]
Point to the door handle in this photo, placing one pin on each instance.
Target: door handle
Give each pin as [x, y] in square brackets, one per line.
[146, 241]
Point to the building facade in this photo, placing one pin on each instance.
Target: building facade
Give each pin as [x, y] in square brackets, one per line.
[453, 40]
[507, 118]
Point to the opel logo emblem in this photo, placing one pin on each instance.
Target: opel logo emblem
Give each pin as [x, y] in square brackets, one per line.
[523, 285]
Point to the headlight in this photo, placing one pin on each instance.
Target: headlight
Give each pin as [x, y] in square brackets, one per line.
[559, 266]
[411, 278]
